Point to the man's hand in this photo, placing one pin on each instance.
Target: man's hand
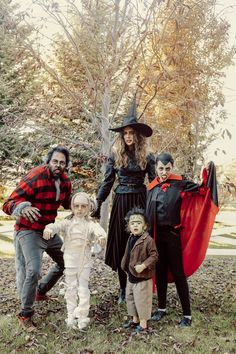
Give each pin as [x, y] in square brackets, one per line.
[31, 214]
[140, 267]
[47, 234]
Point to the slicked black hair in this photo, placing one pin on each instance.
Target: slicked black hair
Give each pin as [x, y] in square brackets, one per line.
[165, 158]
[60, 149]
[136, 211]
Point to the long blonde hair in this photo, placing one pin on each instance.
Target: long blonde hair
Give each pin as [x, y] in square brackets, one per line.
[140, 151]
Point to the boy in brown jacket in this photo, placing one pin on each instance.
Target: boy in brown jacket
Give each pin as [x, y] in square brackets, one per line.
[139, 263]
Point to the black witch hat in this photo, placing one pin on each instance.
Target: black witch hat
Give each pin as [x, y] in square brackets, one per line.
[131, 121]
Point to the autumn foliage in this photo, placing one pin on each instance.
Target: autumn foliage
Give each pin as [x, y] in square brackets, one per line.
[171, 54]
[183, 74]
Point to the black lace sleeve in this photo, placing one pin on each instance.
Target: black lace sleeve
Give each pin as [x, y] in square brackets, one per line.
[108, 181]
[151, 167]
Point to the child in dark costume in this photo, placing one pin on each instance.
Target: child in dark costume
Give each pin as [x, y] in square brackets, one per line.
[139, 262]
[181, 215]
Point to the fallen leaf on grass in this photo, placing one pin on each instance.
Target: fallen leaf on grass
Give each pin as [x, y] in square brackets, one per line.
[118, 330]
[86, 351]
[177, 349]
[215, 349]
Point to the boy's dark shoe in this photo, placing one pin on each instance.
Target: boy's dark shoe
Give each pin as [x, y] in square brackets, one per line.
[185, 322]
[130, 324]
[141, 330]
[26, 323]
[121, 299]
[158, 315]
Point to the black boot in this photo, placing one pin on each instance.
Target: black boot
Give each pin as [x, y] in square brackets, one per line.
[121, 299]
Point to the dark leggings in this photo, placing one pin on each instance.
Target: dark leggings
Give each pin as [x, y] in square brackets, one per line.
[122, 278]
[170, 258]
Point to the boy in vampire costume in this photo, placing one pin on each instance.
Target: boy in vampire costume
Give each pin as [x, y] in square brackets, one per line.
[181, 215]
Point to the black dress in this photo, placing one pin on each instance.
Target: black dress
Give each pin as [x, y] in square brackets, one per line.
[130, 192]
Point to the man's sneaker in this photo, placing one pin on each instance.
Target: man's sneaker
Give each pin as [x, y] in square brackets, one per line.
[26, 323]
[185, 322]
[42, 297]
[158, 315]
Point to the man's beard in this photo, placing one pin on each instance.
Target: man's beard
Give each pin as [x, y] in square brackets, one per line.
[55, 174]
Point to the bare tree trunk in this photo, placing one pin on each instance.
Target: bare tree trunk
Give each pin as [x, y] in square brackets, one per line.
[105, 212]
[105, 147]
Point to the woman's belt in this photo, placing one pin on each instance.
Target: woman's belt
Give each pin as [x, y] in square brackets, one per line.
[131, 184]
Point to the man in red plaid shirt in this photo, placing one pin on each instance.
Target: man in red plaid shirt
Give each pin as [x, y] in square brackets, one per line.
[34, 203]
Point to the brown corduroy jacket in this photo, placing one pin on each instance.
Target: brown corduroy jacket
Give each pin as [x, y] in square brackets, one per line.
[144, 251]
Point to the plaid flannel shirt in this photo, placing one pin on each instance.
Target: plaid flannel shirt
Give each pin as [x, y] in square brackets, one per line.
[38, 188]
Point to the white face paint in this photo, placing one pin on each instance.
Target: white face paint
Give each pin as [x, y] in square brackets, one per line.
[137, 224]
[164, 171]
[80, 206]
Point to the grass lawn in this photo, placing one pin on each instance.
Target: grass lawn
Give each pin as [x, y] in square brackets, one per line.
[220, 224]
[213, 294]
[232, 235]
[6, 246]
[6, 218]
[219, 245]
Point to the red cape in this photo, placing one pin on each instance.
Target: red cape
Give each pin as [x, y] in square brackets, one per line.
[198, 212]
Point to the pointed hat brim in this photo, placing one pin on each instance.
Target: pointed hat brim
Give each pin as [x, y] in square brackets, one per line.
[131, 121]
[142, 128]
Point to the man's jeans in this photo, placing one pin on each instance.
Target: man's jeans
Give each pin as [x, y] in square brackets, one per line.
[29, 246]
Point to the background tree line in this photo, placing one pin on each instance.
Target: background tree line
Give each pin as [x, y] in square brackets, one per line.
[170, 54]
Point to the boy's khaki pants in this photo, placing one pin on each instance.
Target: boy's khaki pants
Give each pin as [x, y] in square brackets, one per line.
[139, 299]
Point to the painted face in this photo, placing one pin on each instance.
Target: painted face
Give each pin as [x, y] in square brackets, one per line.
[164, 171]
[57, 164]
[128, 135]
[80, 206]
[137, 224]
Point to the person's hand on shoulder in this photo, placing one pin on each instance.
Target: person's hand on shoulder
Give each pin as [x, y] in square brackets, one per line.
[31, 214]
[205, 172]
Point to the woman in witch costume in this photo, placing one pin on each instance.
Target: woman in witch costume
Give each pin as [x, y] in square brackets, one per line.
[130, 162]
